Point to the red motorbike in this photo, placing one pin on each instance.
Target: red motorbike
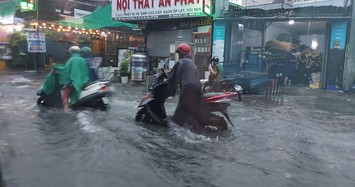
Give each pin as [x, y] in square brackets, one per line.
[214, 107]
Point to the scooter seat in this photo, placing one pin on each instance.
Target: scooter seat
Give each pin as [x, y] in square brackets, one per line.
[89, 84]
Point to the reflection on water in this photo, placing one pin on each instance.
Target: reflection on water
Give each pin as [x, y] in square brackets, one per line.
[288, 144]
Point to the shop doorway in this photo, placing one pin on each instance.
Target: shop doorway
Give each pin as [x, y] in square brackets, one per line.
[302, 45]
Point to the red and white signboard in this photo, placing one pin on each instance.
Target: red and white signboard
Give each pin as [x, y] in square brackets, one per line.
[124, 10]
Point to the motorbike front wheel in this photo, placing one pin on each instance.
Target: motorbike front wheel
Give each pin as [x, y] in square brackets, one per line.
[143, 116]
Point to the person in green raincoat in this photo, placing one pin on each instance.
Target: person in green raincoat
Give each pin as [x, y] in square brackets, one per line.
[77, 75]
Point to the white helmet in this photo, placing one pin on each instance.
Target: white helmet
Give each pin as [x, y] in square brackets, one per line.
[74, 49]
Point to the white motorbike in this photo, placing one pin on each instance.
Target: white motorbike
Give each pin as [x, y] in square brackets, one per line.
[94, 94]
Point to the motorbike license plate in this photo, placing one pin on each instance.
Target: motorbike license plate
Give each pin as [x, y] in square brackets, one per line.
[105, 100]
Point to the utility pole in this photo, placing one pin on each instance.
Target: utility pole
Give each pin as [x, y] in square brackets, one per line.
[349, 65]
[37, 26]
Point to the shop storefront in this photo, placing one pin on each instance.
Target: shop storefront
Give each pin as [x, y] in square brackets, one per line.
[5, 51]
[163, 35]
[166, 24]
[312, 47]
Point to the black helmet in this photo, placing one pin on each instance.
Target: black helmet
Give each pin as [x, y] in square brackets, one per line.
[215, 59]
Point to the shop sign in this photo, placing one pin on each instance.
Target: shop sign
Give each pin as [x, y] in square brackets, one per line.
[66, 12]
[195, 23]
[36, 42]
[219, 33]
[80, 13]
[27, 5]
[338, 35]
[156, 9]
[207, 7]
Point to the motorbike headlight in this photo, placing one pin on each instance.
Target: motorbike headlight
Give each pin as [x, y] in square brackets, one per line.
[238, 88]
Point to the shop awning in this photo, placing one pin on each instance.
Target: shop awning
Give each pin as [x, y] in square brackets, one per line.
[235, 6]
[7, 8]
[99, 19]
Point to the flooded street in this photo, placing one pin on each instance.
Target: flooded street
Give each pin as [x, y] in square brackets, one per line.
[305, 138]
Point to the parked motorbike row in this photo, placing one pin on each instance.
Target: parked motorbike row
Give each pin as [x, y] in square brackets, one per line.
[151, 109]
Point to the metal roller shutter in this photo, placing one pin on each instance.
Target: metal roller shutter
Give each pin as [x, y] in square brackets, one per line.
[158, 43]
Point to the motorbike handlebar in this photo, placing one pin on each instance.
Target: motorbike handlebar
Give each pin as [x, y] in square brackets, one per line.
[164, 74]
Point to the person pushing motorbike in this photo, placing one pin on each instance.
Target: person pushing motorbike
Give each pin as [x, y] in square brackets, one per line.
[185, 75]
[216, 74]
[77, 75]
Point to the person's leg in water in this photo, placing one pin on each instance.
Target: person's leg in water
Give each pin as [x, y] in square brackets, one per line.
[66, 95]
[189, 104]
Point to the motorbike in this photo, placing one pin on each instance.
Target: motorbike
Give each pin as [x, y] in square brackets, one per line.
[228, 85]
[214, 107]
[94, 94]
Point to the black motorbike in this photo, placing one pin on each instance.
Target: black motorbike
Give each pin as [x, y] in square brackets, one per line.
[152, 110]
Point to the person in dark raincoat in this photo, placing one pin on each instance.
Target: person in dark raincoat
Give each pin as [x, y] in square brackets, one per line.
[77, 75]
[185, 75]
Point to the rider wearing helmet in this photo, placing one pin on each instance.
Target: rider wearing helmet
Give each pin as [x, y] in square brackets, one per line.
[77, 75]
[85, 52]
[185, 75]
[216, 73]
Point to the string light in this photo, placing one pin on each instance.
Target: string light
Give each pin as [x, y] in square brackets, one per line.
[90, 33]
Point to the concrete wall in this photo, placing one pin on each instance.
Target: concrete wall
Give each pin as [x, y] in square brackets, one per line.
[272, 32]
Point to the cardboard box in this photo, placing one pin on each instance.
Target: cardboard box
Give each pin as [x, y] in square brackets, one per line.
[2, 64]
[280, 46]
[315, 85]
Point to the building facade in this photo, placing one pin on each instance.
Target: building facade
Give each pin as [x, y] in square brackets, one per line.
[322, 27]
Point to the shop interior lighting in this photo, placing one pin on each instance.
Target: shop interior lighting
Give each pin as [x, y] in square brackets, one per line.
[7, 20]
[9, 29]
[314, 44]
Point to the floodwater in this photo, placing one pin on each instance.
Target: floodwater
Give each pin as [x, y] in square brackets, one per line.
[304, 138]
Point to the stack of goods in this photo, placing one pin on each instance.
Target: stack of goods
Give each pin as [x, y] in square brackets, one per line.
[315, 83]
[275, 45]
